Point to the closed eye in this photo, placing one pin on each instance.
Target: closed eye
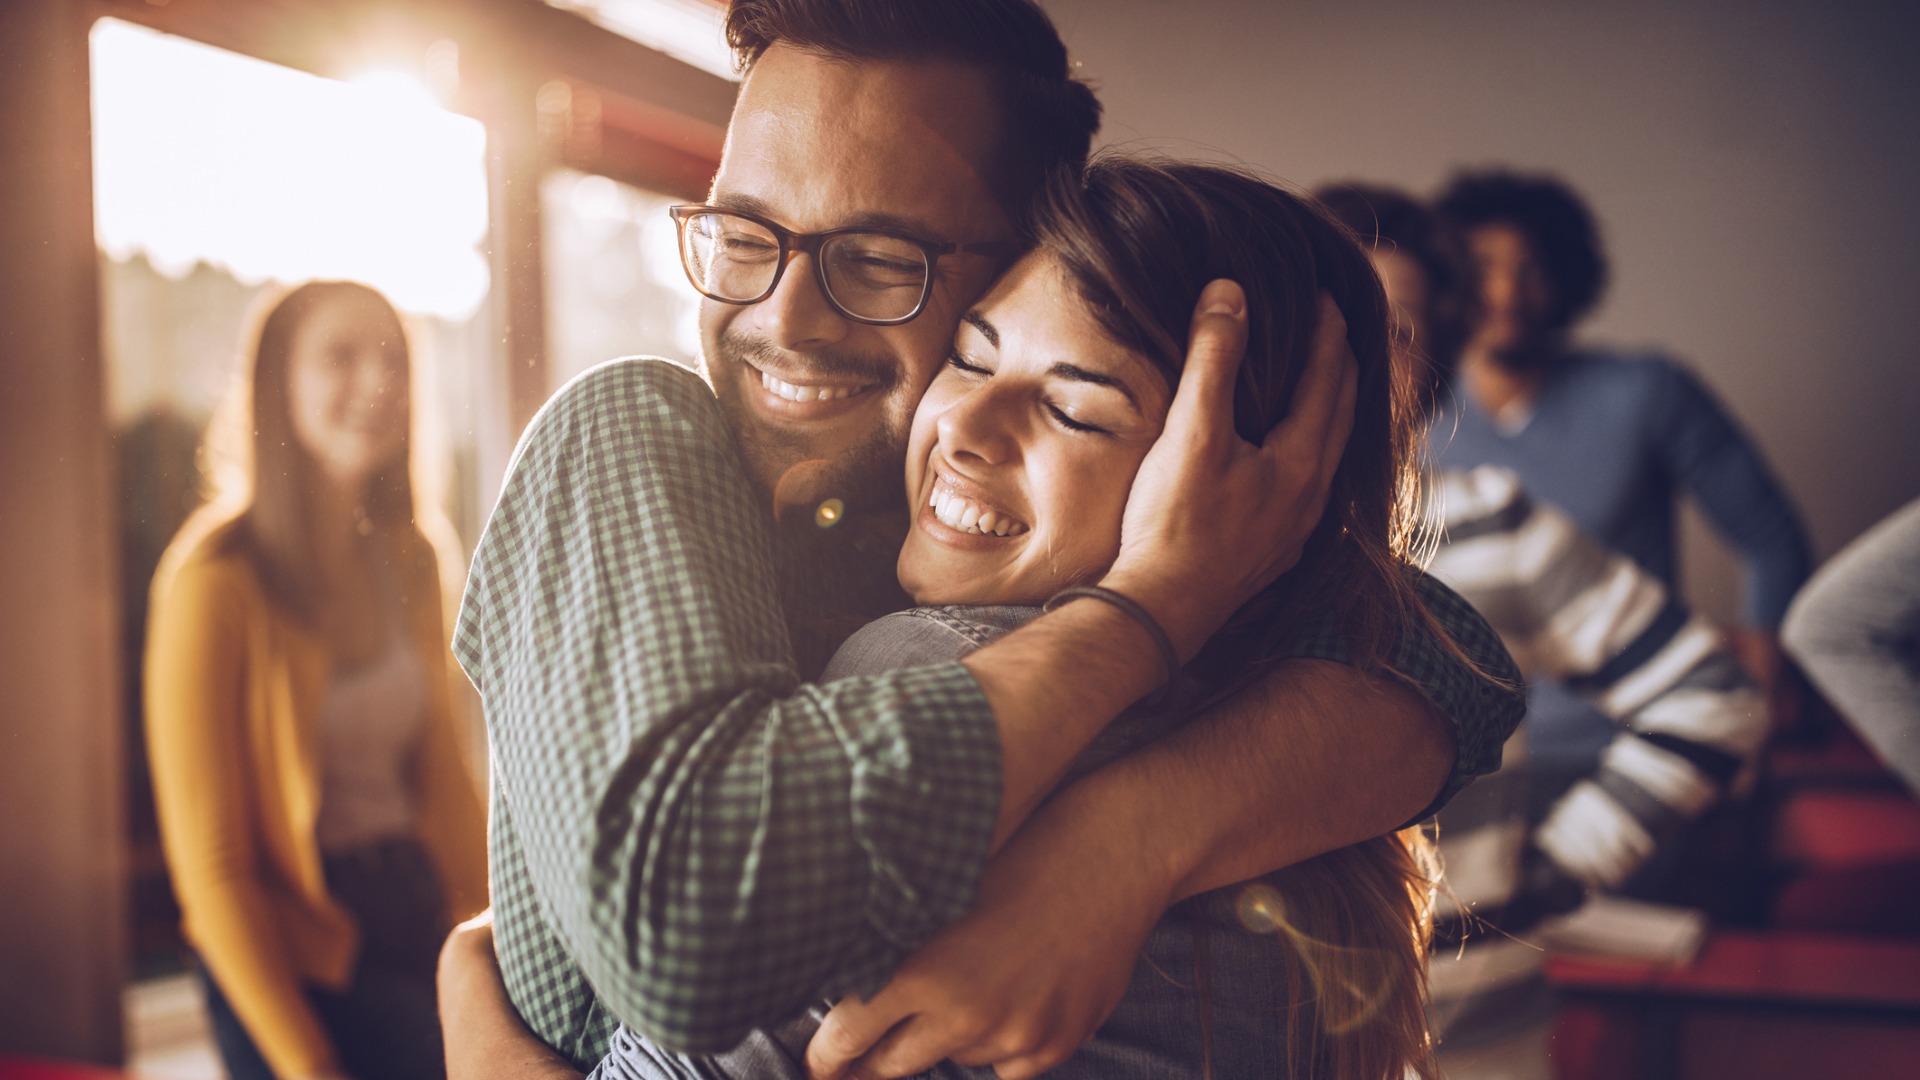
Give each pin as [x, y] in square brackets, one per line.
[1071, 424]
[954, 359]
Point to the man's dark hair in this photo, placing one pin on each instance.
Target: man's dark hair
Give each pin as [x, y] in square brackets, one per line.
[1391, 220]
[1049, 117]
[1555, 221]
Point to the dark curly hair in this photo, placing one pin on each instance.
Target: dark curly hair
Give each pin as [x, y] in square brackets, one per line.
[1049, 115]
[1384, 216]
[1555, 221]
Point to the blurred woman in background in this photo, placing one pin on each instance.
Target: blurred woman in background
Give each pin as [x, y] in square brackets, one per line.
[319, 821]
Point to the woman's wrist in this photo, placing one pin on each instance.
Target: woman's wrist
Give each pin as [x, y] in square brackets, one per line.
[1170, 662]
[1171, 604]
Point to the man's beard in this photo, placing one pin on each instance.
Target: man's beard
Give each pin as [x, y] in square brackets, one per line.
[795, 470]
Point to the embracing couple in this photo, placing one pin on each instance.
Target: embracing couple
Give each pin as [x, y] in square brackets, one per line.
[1115, 795]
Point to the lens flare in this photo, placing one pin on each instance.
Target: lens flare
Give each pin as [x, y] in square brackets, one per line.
[1350, 984]
[829, 513]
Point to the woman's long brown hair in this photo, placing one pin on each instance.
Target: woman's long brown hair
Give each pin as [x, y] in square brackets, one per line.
[1138, 239]
[264, 478]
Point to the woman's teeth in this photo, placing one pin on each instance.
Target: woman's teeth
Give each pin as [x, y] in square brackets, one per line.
[956, 512]
[807, 393]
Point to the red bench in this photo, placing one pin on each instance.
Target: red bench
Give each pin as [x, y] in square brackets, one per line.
[12, 1068]
[1755, 1006]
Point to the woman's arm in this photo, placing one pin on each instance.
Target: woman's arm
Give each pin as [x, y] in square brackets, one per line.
[1314, 757]
[197, 742]
[714, 843]
[485, 1038]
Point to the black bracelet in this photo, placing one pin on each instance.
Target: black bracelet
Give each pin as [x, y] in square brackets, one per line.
[1140, 615]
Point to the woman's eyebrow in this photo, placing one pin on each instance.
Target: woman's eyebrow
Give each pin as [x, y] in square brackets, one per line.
[979, 322]
[1080, 374]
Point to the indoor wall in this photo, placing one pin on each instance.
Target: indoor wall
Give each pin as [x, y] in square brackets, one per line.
[1752, 162]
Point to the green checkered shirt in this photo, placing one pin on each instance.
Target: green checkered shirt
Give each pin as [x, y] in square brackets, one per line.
[685, 835]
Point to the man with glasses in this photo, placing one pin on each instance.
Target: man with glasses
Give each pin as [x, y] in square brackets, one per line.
[688, 838]
[879, 278]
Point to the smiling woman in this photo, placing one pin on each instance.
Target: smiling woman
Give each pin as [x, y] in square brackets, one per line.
[219, 180]
[1024, 447]
[1021, 462]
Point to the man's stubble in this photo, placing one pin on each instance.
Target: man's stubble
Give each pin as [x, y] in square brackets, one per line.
[864, 471]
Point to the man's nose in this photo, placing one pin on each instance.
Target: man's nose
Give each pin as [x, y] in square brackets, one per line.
[797, 315]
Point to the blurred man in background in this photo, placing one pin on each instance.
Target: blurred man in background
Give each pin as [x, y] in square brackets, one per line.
[1611, 439]
[1682, 718]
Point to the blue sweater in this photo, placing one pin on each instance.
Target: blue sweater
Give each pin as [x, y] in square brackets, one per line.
[1614, 440]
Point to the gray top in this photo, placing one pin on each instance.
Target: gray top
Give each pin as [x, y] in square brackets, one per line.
[1855, 629]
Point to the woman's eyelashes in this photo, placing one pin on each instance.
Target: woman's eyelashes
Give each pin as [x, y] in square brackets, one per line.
[960, 363]
[1067, 421]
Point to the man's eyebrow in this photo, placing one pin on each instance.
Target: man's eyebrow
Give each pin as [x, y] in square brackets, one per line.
[979, 322]
[1080, 374]
[878, 221]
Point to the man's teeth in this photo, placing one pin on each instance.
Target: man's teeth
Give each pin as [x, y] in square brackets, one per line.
[807, 393]
[956, 512]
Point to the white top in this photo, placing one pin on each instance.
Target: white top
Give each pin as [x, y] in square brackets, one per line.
[371, 725]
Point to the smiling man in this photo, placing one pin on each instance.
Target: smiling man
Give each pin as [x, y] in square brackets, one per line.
[689, 837]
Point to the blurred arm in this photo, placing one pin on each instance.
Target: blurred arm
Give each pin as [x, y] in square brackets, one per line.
[1856, 631]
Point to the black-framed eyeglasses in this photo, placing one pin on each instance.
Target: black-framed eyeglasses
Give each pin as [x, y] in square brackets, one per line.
[870, 276]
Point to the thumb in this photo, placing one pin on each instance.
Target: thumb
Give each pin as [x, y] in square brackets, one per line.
[1204, 399]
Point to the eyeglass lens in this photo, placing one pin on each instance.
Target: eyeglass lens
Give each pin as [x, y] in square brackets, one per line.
[869, 275]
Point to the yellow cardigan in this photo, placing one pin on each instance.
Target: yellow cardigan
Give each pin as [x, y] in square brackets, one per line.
[233, 690]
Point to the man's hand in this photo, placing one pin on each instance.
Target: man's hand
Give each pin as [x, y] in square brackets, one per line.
[1213, 519]
[1028, 976]
[484, 1036]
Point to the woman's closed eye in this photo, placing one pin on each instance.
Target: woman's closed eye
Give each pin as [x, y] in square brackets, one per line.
[961, 363]
[1066, 420]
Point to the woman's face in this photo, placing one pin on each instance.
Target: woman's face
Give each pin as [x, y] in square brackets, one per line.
[347, 387]
[1024, 448]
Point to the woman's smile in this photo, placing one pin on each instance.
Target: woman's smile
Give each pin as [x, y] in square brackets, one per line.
[1024, 448]
[963, 509]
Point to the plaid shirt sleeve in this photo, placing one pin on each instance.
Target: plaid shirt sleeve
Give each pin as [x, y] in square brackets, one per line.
[683, 829]
[1483, 707]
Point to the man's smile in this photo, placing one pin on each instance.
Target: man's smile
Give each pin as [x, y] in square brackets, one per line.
[806, 398]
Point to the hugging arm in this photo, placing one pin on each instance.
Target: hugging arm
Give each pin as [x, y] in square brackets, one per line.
[1315, 756]
[685, 836]
[473, 1003]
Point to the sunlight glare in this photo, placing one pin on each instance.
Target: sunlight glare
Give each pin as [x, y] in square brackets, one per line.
[275, 174]
[691, 31]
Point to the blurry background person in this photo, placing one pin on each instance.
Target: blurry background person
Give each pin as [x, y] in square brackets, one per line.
[317, 816]
[1683, 717]
[1855, 629]
[1610, 439]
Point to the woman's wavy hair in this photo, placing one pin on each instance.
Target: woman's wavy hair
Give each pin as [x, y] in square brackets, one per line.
[263, 477]
[1138, 239]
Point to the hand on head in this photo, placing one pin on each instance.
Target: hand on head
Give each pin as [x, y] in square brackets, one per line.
[1213, 519]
